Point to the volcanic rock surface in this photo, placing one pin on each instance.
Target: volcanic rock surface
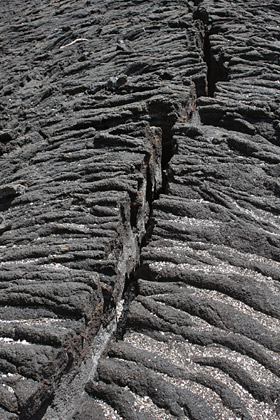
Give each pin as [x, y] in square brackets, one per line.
[140, 210]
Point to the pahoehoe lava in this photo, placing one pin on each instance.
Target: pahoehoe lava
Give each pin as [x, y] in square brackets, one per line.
[139, 210]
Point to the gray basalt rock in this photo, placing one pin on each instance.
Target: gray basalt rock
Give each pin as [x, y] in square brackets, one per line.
[139, 210]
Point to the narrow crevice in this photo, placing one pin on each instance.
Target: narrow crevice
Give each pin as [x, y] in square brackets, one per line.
[135, 205]
[216, 70]
[162, 116]
[129, 294]
[215, 62]
[211, 82]
[40, 412]
[139, 221]
[131, 291]
[169, 148]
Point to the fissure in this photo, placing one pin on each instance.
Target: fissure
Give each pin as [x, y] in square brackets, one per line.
[139, 240]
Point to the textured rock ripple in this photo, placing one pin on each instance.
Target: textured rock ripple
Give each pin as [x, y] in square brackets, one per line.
[96, 98]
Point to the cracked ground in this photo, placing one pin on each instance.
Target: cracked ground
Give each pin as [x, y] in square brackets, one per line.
[139, 210]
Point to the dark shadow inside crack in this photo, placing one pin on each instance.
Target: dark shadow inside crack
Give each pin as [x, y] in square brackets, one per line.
[216, 70]
[129, 294]
[169, 147]
[39, 414]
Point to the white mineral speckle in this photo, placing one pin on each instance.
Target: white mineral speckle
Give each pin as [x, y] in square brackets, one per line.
[146, 405]
[182, 354]
[108, 411]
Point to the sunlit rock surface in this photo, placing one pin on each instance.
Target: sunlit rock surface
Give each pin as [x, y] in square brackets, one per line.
[139, 210]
